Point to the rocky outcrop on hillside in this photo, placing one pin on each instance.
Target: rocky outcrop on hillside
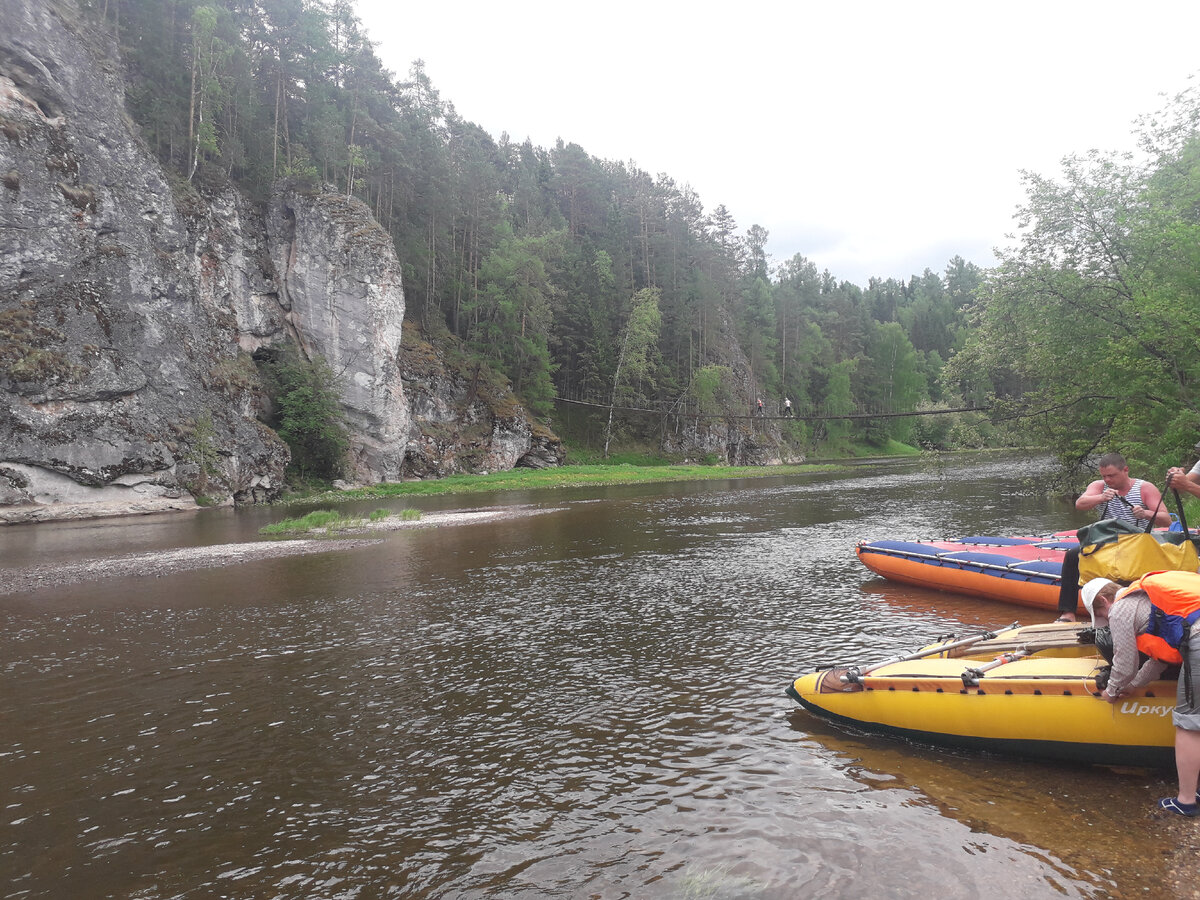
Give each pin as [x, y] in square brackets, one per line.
[735, 440]
[131, 305]
[464, 421]
[339, 284]
[111, 361]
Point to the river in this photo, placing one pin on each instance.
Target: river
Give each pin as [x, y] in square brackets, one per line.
[582, 700]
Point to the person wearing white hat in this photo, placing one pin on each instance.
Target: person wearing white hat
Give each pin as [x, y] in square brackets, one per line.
[1127, 617]
[1126, 620]
[1089, 591]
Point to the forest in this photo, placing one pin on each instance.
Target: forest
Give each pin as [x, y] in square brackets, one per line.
[587, 279]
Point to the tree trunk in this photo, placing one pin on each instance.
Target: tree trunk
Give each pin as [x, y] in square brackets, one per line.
[275, 139]
[192, 111]
[613, 400]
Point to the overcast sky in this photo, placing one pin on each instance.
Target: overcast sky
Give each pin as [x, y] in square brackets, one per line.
[874, 138]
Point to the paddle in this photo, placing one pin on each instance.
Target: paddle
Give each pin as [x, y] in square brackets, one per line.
[854, 674]
[1179, 505]
[1153, 515]
[1182, 515]
[971, 676]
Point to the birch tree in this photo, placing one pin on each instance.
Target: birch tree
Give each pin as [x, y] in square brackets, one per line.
[635, 362]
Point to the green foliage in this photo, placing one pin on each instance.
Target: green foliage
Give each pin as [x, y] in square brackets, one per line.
[796, 433]
[1088, 330]
[307, 414]
[568, 477]
[356, 162]
[532, 256]
[203, 451]
[321, 518]
[839, 400]
[759, 327]
[637, 363]
[330, 521]
[896, 380]
[712, 389]
[210, 56]
[510, 316]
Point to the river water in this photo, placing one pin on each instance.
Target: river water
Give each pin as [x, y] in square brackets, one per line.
[584, 700]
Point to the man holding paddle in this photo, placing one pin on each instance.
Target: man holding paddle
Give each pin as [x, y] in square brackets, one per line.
[1116, 496]
[1189, 481]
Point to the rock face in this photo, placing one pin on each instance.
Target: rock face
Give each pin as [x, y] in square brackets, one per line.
[462, 423]
[130, 306]
[112, 363]
[738, 440]
[339, 283]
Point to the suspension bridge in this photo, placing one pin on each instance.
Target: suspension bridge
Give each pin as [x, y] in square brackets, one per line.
[808, 414]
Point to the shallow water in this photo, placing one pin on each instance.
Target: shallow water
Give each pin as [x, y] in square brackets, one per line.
[584, 701]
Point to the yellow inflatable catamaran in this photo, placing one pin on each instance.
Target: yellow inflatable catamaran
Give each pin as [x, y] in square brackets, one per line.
[1027, 691]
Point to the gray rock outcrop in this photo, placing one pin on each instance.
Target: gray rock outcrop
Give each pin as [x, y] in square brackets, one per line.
[461, 423]
[111, 361]
[130, 305]
[339, 283]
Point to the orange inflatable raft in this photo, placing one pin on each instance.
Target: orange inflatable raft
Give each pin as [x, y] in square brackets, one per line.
[1022, 570]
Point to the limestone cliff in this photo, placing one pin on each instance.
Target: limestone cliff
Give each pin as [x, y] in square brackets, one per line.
[339, 283]
[130, 306]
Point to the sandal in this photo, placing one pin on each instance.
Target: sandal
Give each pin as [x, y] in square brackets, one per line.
[1063, 619]
[1171, 804]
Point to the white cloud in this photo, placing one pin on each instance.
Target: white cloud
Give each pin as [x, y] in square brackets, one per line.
[865, 136]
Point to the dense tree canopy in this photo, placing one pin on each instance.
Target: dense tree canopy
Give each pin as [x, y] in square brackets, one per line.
[539, 259]
[1088, 329]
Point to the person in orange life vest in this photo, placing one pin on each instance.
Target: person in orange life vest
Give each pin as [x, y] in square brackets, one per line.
[1128, 614]
[1116, 496]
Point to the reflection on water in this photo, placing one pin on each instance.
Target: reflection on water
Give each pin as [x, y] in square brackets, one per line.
[583, 703]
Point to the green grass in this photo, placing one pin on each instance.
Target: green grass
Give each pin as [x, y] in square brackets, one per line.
[589, 457]
[331, 521]
[566, 477]
[891, 448]
[863, 450]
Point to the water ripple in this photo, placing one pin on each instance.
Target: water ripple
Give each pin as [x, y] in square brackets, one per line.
[588, 703]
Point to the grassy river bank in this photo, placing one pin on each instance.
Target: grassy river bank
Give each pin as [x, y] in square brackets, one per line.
[563, 476]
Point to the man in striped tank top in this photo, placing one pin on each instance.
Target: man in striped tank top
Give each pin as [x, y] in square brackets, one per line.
[1114, 495]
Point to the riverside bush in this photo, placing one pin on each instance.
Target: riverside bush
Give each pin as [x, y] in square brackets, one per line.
[306, 413]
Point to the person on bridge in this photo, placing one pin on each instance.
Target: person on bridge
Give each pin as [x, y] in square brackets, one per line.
[1116, 496]
[787, 406]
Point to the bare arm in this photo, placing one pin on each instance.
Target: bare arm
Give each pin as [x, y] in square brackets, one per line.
[1187, 482]
[1097, 492]
[1122, 624]
[1152, 505]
